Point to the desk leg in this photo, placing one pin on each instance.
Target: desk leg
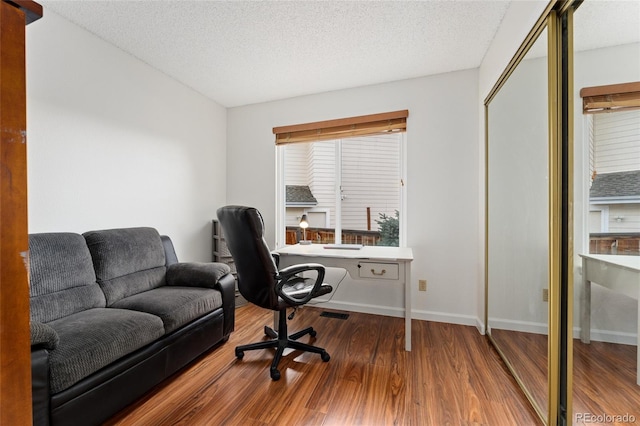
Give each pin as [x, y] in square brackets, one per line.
[407, 306]
[585, 306]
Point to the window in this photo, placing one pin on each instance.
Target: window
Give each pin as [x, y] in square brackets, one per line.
[350, 189]
[613, 123]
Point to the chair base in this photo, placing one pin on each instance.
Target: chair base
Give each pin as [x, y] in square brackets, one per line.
[282, 341]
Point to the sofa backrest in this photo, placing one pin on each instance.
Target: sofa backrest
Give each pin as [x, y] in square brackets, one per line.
[127, 261]
[62, 280]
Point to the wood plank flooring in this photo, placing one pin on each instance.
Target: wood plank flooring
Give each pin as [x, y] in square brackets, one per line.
[453, 376]
[530, 364]
[604, 375]
[604, 379]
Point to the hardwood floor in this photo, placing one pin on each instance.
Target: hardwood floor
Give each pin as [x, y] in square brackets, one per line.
[530, 364]
[453, 376]
[604, 375]
[604, 380]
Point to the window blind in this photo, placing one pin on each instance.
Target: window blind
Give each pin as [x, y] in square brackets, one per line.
[610, 98]
[364, 125]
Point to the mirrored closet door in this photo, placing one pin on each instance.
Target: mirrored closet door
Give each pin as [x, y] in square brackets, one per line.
[563, 213]
[517, 228]
[606, 128]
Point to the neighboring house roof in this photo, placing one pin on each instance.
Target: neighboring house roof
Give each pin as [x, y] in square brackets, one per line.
[300, 195]
[620, 185]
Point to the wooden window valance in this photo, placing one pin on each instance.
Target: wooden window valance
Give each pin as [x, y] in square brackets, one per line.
[365, 125]
[614, 97]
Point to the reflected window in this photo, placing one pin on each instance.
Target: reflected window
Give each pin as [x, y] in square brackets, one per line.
[614, 194]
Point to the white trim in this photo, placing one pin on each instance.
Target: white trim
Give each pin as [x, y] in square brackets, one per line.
[585, 184]
[325, 210]
[338, 192]
[281, 228]
[608, 336]
[630, 199]
[399, 312]
[604, 216]
[517, 325]
[402, 241]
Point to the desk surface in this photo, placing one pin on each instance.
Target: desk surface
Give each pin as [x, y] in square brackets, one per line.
[627, 262]
[381, 253]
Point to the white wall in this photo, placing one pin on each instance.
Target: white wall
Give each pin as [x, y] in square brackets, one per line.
[518, 222]
[516, 24]
[114, 143]
[442, 187]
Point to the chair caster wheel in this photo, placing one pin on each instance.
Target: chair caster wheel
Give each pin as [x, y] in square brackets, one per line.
[313, 333]
[239, 354]
[325, 356]
[275, 374]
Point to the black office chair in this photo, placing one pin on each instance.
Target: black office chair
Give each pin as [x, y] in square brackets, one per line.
[261, 283]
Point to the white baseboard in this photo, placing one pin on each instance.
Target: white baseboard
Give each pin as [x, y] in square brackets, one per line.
[521, 326]
[362, 308]
[608, 336]
[399, 313]
[459, 319]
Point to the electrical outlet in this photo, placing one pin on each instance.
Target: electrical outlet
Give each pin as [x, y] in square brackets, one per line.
[545, 294]
[422, 285]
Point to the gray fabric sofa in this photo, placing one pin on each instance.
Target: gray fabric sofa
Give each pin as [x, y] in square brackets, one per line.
[113, 313]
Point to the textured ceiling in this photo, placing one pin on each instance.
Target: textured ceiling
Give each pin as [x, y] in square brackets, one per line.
[244, 52]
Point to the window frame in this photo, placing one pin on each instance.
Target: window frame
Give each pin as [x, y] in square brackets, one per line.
[280, 236]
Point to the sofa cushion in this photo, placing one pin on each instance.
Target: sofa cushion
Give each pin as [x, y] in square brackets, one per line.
[62, 280]
[176, 306]
[127, 261]
[92, 339]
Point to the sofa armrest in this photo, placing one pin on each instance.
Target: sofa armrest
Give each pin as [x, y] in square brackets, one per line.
[43, 336]
[211, 275]
[227, 286]
[196, 274]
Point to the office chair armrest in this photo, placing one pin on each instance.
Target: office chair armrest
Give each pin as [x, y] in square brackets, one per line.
[291, 273]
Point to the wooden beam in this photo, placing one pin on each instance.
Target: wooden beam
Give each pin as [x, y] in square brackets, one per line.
[31, 9]
[15, 352]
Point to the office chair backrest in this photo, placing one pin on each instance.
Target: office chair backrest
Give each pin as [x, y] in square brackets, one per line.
[243, 230]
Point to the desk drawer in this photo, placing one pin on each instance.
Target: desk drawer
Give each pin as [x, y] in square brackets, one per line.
[382, 271]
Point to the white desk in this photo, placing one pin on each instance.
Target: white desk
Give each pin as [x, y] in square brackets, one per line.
[388, 264]
[618, 273]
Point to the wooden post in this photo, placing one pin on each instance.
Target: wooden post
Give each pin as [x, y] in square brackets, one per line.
[368, 218]
[15, 351]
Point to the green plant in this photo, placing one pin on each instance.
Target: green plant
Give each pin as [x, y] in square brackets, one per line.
[389, 229]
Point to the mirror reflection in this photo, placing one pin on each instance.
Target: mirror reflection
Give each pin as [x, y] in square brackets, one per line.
[518, 224]
[606, 384]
